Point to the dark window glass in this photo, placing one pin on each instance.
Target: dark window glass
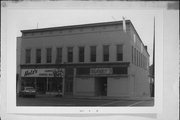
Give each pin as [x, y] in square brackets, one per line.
[138, 58]
[132, 55]
[120, 70]
[119, 52]
[28, 56]
[93, 53]
[135, 56]
[58, 55]
[69, 71]
[81, 54]
[83, 71]
[70, 54]
[48, 55]
[38, 55]
[141, 60]
[106, 53]
[68, 86]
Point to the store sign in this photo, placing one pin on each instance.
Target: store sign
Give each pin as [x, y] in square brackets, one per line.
[100, 71]
[42, 72]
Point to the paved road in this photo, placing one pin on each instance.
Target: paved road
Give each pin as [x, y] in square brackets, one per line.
[58, 101]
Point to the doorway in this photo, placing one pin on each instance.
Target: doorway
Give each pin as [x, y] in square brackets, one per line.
[41, 85]
[101, 86]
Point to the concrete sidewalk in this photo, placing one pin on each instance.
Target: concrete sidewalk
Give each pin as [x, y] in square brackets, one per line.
[109, 98]
[98, 97]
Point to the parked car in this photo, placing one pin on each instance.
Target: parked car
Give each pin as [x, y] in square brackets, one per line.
[27, 91]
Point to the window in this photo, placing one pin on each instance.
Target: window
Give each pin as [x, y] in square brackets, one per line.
[93, 53]
[28, 56]
[38, 55]
[81, 54]
[70, 54]
[120, 70]
[83, 71]
[138, 57]
[48, 55]
[135, 56]
[58, 55]
[106, 53]
[119, 52]
[132, 54]
[141, 60]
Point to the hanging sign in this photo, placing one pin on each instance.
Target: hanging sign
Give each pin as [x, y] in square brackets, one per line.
[100, 71]
[42, 72]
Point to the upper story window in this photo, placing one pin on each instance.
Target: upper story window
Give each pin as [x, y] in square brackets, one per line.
[70, 54]
[132, 53]
[119, 52]
[93, 53]
[28, 56]
[38, 55]
[58, 55]
[135, 56]
[48, 55]
[81, 54]
[106, 53]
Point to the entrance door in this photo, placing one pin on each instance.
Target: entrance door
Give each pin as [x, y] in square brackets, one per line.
[101, 86]
[41, 85]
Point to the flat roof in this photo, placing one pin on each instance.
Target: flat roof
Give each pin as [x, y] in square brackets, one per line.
[74, 26]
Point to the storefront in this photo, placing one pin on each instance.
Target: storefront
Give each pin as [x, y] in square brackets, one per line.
[102, 81]
[45, 81]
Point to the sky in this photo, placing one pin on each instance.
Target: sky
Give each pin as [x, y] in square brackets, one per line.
[143, 20]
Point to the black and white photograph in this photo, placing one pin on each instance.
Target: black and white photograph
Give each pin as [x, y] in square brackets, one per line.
[93, 64]
[84, 59]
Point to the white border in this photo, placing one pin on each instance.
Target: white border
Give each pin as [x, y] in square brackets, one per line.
[11, 85]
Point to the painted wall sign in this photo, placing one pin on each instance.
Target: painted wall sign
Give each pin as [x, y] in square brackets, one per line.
[42, 72]
[100, 71]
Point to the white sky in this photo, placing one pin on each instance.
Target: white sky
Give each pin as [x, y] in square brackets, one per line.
[142, 20]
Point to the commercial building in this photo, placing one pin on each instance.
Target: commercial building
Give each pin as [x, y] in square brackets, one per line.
[99, 59]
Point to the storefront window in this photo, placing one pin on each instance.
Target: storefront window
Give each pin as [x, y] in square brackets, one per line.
[120, 70]
[83, 71]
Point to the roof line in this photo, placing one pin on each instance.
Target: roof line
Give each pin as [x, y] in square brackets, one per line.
[73, 26]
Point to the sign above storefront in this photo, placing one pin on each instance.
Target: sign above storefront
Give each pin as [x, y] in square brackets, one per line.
[101, 71]
[53, 72]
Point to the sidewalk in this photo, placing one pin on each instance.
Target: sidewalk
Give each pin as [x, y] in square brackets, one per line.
[98, 97]
[109, 98]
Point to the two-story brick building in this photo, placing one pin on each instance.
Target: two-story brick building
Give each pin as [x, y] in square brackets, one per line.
[99, 59]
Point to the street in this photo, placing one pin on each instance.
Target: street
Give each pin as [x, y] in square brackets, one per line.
[58, 101]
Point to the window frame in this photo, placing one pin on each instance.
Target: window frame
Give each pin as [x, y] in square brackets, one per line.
[27, 59]
[93, 57]
[38, 56]
[69, 56]
[59, 56]
[81, 58]
[49, 55]
[105, 54]
[119, 56]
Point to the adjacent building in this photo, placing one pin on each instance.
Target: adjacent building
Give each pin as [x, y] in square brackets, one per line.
[99, 59]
